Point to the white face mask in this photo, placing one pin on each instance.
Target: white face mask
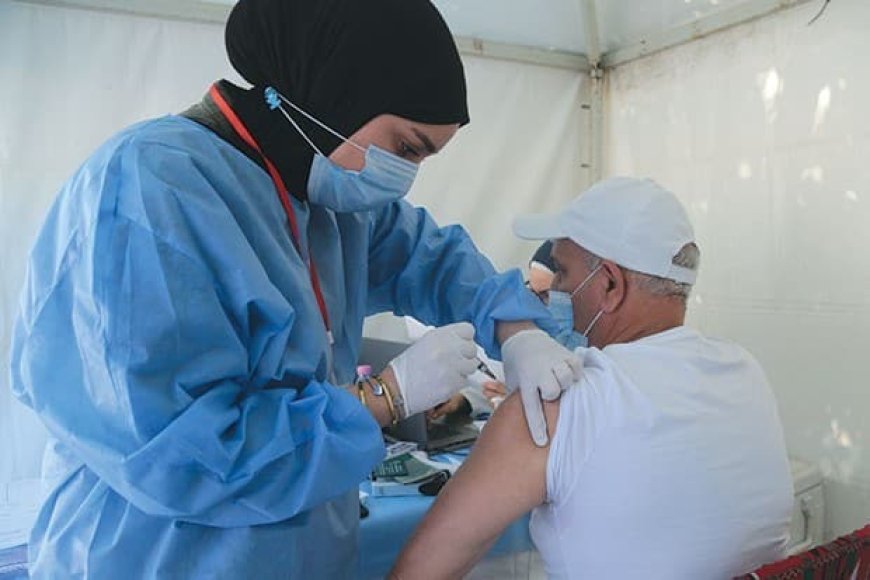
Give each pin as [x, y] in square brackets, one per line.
[385, 177]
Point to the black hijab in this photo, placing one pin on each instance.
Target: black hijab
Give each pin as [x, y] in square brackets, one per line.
[345, 62]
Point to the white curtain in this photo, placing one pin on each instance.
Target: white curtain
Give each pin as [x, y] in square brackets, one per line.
[71, 78]
[763, 132]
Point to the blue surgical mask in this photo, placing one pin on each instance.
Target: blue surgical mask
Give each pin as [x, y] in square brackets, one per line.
[561, 306]
[385, 178]
[563, 313]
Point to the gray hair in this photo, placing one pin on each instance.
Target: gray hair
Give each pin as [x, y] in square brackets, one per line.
[689, 257]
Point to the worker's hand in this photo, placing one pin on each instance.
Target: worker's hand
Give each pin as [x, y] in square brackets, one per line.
[494, 389]
[453, 405]
[435, 367]
[541, 368]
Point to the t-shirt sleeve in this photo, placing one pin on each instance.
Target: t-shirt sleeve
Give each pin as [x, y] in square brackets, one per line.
[582, 417]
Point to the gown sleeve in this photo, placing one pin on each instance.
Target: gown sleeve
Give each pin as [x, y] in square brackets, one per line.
[438, 276]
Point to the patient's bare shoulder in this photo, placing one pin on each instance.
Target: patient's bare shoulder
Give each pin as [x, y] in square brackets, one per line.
[507, 428]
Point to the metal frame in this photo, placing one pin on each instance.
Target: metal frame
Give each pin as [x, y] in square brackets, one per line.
[173, 9]
[595, 141]
[204, 11]
[524, 54]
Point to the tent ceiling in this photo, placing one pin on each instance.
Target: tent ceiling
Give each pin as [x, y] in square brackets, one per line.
[625, 29]
[624, 22]
[559, 25]
[550, 24]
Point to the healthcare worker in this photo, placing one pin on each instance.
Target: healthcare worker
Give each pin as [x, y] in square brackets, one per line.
[194, 304]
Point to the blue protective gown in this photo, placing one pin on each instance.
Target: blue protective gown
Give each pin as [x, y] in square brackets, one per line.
[170, 341]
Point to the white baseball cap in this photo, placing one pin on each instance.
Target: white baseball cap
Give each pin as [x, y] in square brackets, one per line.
[634, 222]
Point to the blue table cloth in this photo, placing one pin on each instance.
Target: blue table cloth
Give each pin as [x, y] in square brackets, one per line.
[13, 563]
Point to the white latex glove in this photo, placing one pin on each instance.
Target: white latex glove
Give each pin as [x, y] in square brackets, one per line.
[435, 367]
[541, 368]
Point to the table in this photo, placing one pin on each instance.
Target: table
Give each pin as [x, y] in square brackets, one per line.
[13, 563]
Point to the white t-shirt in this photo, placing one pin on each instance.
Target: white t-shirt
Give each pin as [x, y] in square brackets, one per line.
[668, 462]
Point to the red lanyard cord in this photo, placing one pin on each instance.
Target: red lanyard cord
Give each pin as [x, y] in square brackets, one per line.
[246, 136]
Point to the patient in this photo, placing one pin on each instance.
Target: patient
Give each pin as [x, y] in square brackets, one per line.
[665, 461]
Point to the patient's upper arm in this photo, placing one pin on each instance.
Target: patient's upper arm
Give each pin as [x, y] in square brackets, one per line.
[506, 474]
[503, 478]
[506, 445]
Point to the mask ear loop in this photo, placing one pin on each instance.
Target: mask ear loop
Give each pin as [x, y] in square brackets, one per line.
[578, 289]
[585, 281]
[591, 324]
[274, 99]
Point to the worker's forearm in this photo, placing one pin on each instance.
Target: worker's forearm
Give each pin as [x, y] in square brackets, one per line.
[506, 329]
[376, 405]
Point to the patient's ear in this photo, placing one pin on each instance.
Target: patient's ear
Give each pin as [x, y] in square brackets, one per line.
[617, 285]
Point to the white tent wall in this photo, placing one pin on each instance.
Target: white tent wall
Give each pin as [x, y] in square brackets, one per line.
[72, 77]
[764, 132]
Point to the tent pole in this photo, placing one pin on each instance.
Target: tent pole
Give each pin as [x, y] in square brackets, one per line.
[595, 106]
